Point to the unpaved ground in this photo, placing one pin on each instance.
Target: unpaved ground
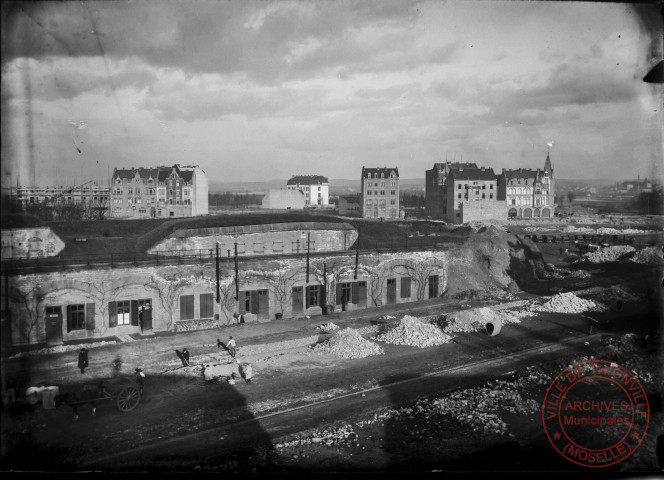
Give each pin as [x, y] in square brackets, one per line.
[435, 432]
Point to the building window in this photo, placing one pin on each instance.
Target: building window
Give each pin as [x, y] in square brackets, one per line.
[186, 307]
[459, 186]
[405, 287]
[382, 192]
[483, 195]
[491, 195]
[393, 192]
[459, 195]
[75, 317]
[123, 310]
[393, 202]
[313, 295]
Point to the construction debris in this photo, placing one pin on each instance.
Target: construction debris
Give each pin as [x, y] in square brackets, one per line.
[568, 303]
[477, 318]
[414, 332]
[328, 327]
[650, 256]
[608, 254]
[348, 343]
[62, 349]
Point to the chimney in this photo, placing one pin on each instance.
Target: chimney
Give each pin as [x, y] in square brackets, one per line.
[482, 169]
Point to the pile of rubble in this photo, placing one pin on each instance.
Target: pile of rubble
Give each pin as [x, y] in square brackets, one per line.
[328, 327]
[414, 332]
[579, 274]
[476, 319]
[329, 437]
[650, 256]
[568, 303]
[608, 254]
[477, 407]
[62, 349]
[631, 352]
[617, 292]
[348, 343]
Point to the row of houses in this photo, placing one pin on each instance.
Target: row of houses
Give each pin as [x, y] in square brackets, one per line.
[464, 192]
[455, 192]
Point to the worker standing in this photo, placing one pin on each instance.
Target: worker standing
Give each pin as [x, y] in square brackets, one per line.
[231, 346]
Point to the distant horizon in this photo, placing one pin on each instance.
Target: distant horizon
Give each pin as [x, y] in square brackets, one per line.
[247, 88]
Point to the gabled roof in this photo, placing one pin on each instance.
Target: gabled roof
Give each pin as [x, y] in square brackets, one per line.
[472, 174]
[307, 180]
[384, 170]
[528, 176]
[159, 174]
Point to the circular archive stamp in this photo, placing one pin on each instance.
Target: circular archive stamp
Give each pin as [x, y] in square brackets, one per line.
[595, 413]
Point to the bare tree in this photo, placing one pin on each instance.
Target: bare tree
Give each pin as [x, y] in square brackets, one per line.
[168, 290]
[419, 271]
[334, 271]
[375, 282]
[31, 300]
[227, 302]
[281, 282]
[102, 293]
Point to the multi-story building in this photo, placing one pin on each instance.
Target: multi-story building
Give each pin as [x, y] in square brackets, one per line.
[94, 195]
[528, 193]
[435, 195]
[316, 189]
[380, 192]
[472, 195]
[177, 191]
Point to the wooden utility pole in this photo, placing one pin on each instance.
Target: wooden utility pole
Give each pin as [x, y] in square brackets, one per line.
[217, 264]
[308, 248]
[237, 281]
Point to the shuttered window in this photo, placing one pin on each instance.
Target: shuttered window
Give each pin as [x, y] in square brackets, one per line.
[405, 287]
[89, 316]
[186, 307]
[207, 305]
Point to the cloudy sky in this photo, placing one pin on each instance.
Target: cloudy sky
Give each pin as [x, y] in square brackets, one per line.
[257, 90]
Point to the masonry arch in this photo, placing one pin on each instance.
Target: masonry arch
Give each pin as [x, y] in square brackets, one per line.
[546, 212]
[527, 213]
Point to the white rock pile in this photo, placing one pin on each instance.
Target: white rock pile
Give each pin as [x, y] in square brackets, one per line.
[414, 332]
[650, 256]
[608, 254]
[568, 303]
[328, 327]
[62, 349]
[476, 319]
[348, 343]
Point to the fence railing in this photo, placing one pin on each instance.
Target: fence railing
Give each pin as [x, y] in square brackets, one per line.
[189, 257]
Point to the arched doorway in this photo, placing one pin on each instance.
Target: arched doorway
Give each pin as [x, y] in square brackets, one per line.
[536, 213]
[527, 213]
[546, 212]
[512, 213]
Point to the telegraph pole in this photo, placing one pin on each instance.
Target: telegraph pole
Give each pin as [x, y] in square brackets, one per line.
[357, 254]
[308, 248]
[237, 282]
[218, 297]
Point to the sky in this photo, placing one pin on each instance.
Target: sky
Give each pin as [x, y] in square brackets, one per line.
[259, 90]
